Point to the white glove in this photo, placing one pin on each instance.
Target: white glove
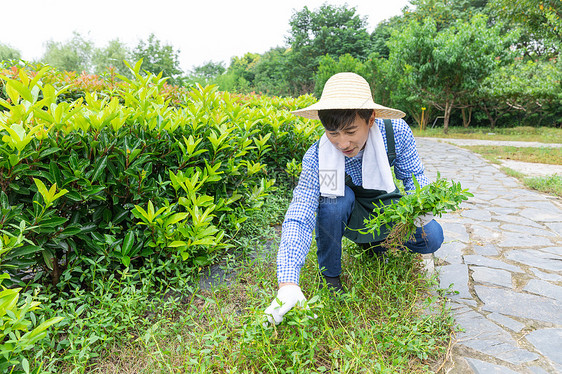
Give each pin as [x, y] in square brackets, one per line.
[421, 221]
[287, 297]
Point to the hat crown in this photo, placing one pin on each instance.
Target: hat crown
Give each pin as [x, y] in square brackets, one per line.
[349, 86]
[347, 91]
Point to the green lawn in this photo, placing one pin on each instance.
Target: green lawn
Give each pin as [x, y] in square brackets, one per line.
[522, 133]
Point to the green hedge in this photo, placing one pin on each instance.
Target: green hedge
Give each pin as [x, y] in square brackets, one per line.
[126, 174]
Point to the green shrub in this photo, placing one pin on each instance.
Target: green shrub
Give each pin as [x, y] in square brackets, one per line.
[127, 174]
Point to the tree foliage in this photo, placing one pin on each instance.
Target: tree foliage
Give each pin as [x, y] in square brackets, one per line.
[542, 17]
[330, 30]
[446, 66]
[529, 90]
[158, 58]
[113, 55]
[9, 53]
[73, 55]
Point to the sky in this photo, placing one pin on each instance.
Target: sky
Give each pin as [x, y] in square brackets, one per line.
[202, 30]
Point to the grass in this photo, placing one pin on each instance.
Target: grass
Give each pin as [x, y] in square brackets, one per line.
[390, 321]
[521, 133]
[551, 184]
[542, 155]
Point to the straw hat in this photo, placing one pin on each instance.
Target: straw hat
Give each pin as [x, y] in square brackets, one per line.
[348, 91]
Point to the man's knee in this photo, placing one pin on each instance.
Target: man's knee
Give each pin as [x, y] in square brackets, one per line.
[428, 238]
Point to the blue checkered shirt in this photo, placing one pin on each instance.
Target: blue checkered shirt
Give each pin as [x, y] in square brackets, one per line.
[300, 218]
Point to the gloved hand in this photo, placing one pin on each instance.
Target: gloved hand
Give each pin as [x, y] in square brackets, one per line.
[421, 221]
[287, 297]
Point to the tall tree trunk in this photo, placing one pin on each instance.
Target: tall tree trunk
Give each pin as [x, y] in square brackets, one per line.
[465, 120]
[448, 108]
[491, 117]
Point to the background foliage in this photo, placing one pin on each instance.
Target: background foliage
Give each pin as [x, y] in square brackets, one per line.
[486, 39]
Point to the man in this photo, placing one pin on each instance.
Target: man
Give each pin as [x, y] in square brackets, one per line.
[343, 174]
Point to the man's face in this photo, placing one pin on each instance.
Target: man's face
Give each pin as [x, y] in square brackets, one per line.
[352, 138]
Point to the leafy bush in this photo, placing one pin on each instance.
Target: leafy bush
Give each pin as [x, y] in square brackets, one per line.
[125, 174]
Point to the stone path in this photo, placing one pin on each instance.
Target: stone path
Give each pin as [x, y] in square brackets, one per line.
[503, 255]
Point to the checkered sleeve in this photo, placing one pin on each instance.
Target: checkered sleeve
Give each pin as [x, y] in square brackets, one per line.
[408, 161]
[300, 219]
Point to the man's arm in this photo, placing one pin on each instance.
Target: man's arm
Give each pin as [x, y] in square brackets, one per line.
[296, 237]
[296, 234]
[407, 158]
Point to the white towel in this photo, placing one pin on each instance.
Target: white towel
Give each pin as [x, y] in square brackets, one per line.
[376, 173]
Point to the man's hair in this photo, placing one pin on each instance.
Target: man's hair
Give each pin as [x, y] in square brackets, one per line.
[338, 119]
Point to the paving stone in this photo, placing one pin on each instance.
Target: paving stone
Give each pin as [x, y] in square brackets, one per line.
[538, 259]
[486, 250]
[491, 276]
[481, 367]
[479, 214]
[489, 262]
[503, 211]
[505, 321]
[547, 276]
[509, 203]
[518, 220]
[554, 250]
[455, 231]
[547, 205]
[451, 252]
[556, 227]
[456, 274]
[537, 370]
[527, 230]
[548, 343]
[486, 337]
[485, 235]
[543, 288]
[518, 304]
[521, 239]
[528, 195]
[487, 197]
[542, 215]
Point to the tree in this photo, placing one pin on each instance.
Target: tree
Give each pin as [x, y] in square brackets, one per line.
[158, 57]
[330, 30]
[382, 34]
[445, 12]
[207, 72]
[239, 76]
[447, 66]
[346, 63]
[74, 55]
[9, 53]
[541, 19]
[113, 55]
[271, 72]
[530, 89]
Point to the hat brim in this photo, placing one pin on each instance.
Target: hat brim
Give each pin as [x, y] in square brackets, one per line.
[311, 112]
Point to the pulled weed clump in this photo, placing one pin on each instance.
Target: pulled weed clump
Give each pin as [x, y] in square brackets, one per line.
[434, 199]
